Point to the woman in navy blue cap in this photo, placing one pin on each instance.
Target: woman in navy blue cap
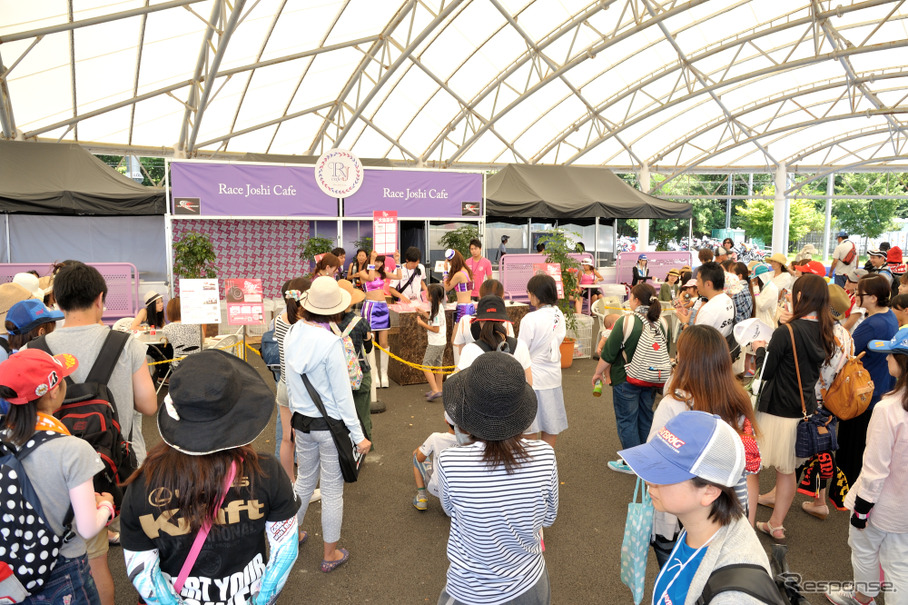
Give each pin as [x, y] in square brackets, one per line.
[691, 467]
[641, 270]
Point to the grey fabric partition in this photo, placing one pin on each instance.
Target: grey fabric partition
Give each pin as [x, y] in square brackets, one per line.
[138, 240]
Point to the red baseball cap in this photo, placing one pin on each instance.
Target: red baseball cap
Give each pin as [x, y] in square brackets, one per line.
[32, 373]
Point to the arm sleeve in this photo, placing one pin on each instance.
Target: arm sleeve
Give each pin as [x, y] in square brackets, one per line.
[342, 394]
[552, 497]
[526, 334]
[144, 570]
[446, 504]
[284, 548]
[877, 455]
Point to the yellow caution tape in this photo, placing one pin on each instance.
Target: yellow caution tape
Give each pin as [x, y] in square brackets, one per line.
[418, 366]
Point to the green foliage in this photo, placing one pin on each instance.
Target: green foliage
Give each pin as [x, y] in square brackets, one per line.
[757, 217]
[869, 217]
[459, 239]
[312, 246]
[154, 168]
[557, 249]
[194, 257]
[364, 243]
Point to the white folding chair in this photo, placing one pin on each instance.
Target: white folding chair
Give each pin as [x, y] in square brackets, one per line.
[124, 324]
[229, 344]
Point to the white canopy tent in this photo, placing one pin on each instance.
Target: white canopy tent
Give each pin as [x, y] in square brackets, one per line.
[635, 85]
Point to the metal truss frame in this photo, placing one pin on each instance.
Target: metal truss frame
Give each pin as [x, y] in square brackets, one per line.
[398, 46]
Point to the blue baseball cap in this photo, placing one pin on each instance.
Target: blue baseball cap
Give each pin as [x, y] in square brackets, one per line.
[641, 257]
[692, 444]
[761, 269]
[898, 344]
[842, 233]
[29, 314]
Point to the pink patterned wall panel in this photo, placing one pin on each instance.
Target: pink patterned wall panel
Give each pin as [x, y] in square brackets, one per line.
[256, 249]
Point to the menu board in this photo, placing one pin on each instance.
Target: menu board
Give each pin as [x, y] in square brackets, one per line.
[245, 304]
[199, 303]
[553, 269]
[384, 231]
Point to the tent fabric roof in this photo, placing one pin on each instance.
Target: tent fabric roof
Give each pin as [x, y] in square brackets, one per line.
[62, 178]
[707, 85]
[571, 192]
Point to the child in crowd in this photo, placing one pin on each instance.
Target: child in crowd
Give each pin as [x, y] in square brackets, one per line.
[878, 535]
[542, 331]
[607, 325]
[691, 467]
[462, 334]
[436, 324]
[423, 464]
[27, 320]
[62, 473]
[489, 333]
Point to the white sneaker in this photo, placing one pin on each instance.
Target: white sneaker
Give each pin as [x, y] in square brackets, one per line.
[846, 597]
[316, 496]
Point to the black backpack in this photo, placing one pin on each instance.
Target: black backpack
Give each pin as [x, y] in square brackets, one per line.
[90, 412]
[28, 542]
[781, 588]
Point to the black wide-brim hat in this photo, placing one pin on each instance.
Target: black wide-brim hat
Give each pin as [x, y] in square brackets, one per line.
[491, 399]
[216, 402]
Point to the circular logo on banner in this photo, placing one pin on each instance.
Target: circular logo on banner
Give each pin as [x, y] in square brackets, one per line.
[339, 173]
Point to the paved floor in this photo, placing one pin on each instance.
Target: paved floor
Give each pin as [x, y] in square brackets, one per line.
[398, 553]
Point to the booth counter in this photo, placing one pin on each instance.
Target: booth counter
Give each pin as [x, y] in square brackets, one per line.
[408, 340]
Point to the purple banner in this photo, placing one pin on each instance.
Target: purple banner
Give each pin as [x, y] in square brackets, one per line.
[203, 189]
[417, 194]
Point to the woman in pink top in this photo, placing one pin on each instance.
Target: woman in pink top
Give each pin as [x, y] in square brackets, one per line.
[479, 266]
[878, 535]
[374, 279]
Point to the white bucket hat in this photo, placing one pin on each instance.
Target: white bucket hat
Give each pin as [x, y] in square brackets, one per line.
[31, 283]
[325, 297]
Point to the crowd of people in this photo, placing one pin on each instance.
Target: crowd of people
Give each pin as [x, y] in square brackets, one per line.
[728, 408]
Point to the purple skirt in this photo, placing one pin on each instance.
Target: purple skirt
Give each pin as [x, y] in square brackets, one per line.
[464, 309]
[376, 313]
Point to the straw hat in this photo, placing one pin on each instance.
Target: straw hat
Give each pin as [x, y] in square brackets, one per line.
[780, 258]
[10, 294]
[325, 297]
[356, 295]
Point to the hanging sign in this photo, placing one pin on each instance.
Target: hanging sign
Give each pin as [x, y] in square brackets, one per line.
[245, 304]
[199, 303]
[384, 231]
[339, 173]
[553, 269]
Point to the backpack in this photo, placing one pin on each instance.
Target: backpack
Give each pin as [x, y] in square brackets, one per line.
[508, 345]
[650, 366]
[354, 370]
[849, 256]
[271, 354]
[27, 536]
[780, 588]
[850, 393]
[90, 413]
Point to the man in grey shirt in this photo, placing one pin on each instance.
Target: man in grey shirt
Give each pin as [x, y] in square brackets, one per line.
[80, 291]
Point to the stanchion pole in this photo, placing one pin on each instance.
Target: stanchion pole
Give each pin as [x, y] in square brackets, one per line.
[375, 406]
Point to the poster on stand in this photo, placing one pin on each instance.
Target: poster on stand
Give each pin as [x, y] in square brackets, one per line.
[199, 302]
[245, 304]
[384, 231]
[553, 269]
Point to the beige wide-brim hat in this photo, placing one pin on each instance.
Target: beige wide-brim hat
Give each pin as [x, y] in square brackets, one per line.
[325, 297]
[10, 294]
[780, 258]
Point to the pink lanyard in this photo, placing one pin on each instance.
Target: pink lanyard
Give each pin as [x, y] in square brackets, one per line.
[202, 536]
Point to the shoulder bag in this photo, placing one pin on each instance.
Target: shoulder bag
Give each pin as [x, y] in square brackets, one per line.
[816, 433]
[347, 455]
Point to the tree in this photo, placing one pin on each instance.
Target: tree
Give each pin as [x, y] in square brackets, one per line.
[868, 217]
[757, 217]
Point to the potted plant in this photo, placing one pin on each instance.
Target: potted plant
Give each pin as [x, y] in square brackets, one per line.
[459, 239]
[310, 247]
[558, 248]
[194, 257]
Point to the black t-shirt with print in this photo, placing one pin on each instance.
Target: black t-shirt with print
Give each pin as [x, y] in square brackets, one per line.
[232, 561]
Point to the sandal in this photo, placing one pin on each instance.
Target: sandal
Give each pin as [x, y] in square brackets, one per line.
[771, 531]
[303, 536]
[811, 508]
[766, 500]
[329, 566]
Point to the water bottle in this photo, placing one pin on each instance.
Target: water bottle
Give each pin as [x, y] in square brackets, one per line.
[597, 390]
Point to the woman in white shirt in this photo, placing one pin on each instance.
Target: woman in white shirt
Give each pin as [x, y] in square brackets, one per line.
[766, 302]
[542, 331]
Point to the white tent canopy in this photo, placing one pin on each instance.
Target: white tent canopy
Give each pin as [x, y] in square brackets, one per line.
[675, 86]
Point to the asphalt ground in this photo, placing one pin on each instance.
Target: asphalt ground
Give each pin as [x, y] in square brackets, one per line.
[397, 554]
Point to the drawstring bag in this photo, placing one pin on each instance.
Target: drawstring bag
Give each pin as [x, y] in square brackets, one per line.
[635, 546]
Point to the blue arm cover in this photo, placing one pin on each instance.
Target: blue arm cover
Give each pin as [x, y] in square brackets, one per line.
[283, 542]
[144, 570]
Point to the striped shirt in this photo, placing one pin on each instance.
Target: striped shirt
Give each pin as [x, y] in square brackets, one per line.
[496, 520]
[280, 331]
